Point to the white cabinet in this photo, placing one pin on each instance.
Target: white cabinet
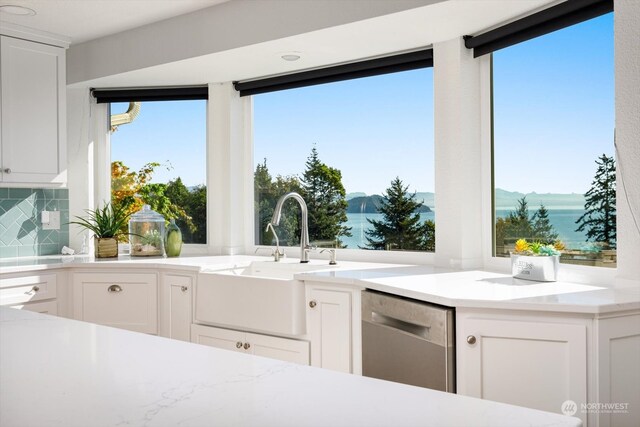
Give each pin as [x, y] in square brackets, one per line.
[533, 361]
[176, 293]
[619, 370]
[122, 300]
[32, 112]
[285, 349]
[32, 291]
[334, 327]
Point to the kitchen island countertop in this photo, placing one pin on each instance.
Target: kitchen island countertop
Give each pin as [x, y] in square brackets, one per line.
[81, 374]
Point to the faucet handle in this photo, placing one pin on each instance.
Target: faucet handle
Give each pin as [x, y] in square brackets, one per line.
[332, 256]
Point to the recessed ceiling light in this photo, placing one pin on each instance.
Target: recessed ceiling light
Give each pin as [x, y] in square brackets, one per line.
[290, 57]
[12, 9]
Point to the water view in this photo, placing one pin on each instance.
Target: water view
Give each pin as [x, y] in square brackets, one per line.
[563, 220]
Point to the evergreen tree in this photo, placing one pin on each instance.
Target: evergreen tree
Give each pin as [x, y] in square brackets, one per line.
[400, 228]
[518, 224]
[599, 219]
[324, 194]
[542, 230]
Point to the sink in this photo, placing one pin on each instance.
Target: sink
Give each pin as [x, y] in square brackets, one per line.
[263, 296]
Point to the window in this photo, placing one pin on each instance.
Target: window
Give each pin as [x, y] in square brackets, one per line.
[553, 164]
[159, 158]
[359, 151]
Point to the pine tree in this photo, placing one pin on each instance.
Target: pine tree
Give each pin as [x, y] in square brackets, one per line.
[599, 219]
[542, 230]
[324, 194]
[400, 228]
[518, 223]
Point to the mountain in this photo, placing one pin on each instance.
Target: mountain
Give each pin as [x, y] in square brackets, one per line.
[350, 196]
[509, 200]
[371, 204]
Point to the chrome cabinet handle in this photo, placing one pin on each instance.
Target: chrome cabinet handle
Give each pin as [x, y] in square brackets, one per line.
[114, 288]
[33, 290]
[6, 170]
[184, 288]
[238, 344]
[247, 346]
[471, 340]
[312, 304]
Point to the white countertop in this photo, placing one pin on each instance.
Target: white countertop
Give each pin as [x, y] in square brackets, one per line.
[61, 372]
[468, 289]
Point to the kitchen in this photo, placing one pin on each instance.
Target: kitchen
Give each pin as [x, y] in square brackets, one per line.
[565, 331]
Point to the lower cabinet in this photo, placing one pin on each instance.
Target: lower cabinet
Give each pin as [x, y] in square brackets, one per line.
[33, 292]
[122, 300]
[285, 349]
[176, 302]
[536, 362]
[334, 327]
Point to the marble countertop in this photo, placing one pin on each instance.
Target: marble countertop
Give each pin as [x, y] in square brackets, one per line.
[61, 372]
[468, 289]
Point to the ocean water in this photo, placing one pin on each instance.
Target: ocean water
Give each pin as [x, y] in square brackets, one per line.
[563, 220]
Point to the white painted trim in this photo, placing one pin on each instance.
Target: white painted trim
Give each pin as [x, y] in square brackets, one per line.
[26, 33]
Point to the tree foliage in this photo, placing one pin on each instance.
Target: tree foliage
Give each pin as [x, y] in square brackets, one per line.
[400, 228]
[518, 224]
[599, 219]
[130, 190]
[324, 194]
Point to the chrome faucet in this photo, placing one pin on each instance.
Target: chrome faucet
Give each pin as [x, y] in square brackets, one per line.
[305, 247]
[276, 254]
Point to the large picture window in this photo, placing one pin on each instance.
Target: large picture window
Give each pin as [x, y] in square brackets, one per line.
[361, 154]
[554, 163]
[158, 157]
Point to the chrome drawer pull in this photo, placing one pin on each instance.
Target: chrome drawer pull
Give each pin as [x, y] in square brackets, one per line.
[33, 290]
[184, 288]
[238, 344]
[247, 346]
[114, 288]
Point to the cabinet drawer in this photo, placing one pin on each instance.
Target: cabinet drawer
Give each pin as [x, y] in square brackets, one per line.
[127, 301]
[25, 289]
[47, 307]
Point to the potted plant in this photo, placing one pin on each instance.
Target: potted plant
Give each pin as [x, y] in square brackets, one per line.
[106, 224]
[535, 260]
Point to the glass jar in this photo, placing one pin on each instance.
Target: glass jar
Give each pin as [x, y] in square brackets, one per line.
[146, 233]
[173, 241]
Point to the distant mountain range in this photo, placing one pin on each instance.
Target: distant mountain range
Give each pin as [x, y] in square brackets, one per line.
[371, 204]
[359, 202]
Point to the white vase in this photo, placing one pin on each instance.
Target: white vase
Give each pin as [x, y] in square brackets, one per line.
[539, 268]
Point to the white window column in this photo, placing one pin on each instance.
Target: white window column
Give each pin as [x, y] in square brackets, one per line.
[229, 166]
[627, 90]
[458, 165]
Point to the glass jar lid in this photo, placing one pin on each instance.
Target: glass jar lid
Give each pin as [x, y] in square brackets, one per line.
[147, 215]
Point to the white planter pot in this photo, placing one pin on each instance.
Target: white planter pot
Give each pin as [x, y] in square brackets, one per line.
[539, 268]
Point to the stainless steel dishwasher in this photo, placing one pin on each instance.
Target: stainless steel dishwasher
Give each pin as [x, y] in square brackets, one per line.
[408, 341]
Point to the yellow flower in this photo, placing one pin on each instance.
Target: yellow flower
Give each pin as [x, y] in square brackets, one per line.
[559, 245]
[522, 246]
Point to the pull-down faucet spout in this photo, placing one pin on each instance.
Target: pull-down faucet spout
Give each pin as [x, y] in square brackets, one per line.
[304, 229]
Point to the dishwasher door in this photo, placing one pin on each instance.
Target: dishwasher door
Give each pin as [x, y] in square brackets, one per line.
[408, 341]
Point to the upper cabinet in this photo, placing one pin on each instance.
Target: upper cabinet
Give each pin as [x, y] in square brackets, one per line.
[32, 113]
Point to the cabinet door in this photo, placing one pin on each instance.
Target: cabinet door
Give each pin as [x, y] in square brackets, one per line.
[330, 328]
[122, 300]
[175, 309]
[29, 288]
[47, 307]
[278, 348]
[33, 109]
[536, 365]
[226, 339]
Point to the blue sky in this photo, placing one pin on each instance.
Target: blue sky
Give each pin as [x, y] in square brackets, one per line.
[554, 114]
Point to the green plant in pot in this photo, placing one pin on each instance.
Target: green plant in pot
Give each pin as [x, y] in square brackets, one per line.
[106, 224]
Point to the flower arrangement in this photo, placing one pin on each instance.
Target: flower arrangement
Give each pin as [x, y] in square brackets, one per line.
[522, 247]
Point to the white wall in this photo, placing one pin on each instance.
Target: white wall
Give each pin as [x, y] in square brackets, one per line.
[458, 171]
[627, 77]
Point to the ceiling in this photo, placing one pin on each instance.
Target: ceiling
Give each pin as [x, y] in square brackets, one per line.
[83, 20]
[415, 28]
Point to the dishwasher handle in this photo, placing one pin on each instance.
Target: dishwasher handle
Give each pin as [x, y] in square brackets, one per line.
[419, 331]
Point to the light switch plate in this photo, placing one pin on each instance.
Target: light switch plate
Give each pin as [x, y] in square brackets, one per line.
[54, 221]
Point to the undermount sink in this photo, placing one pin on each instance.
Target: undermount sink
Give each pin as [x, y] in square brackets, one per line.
[263, 296]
